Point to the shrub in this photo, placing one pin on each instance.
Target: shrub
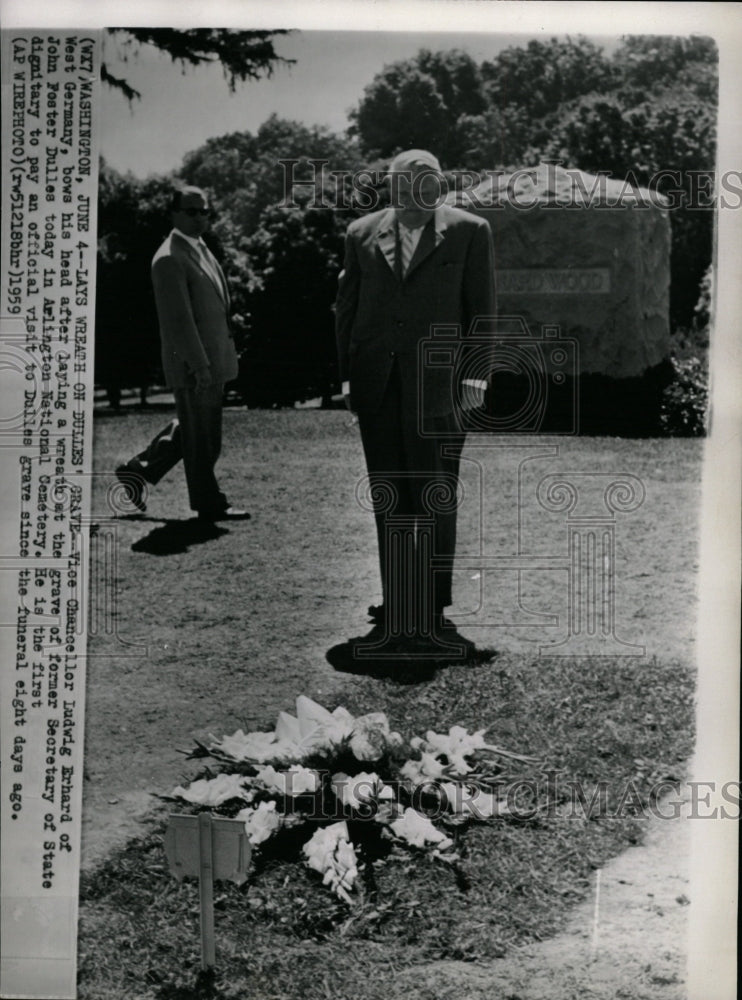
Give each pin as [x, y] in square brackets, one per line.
[685, 400]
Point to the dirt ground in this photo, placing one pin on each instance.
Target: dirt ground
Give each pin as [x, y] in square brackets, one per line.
[213, 633]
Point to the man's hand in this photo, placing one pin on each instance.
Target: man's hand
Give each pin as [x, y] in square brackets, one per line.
[472, 396]
[345, 389]
[203, 379]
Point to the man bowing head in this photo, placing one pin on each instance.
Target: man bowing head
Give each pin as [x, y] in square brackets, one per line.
[412, 268]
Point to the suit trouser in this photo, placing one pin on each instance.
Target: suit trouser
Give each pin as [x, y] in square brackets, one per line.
[413, 480]
[196, 437]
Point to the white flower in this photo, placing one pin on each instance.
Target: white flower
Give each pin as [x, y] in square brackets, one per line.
[371, 736]
[456, 746]
[215, 791]
[297, 780]
[420, 772]
[360, 790]
[418, 831]
[310, 715]
[330, 852]
[387, 811]
[257, 747]
[287, 728]
[260, 823]
[313, 728]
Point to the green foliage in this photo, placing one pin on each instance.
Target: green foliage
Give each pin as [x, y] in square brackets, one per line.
[543, 76]
[292, 261]
[418, 103]
[133, 219]
[243, 55]
[685, 401]
[705, 305]
[244, 174]
[650, 63]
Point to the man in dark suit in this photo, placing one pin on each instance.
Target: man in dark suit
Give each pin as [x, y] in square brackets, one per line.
[198, 358]
[408, 269]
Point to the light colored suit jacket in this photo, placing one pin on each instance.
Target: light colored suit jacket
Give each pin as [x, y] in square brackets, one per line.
[382, 318]
[192, 310]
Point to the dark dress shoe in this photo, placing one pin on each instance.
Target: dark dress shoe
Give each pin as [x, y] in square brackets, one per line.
[134, 485]
[225, 514]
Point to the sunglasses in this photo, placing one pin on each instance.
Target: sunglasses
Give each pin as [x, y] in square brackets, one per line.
[193, 212]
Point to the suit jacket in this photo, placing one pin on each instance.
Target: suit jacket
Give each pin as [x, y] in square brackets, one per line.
[382, 318]
[192, 310]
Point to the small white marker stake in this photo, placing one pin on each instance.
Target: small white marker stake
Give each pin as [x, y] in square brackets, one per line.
[596, 915]
[206, 891]
[211, 847]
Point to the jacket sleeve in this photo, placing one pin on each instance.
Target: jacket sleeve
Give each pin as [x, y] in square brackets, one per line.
[177, 325]
[479, 307]
[479, 279]
[346, 304]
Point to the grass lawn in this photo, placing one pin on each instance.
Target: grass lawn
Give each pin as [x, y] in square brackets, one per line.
[213, 633]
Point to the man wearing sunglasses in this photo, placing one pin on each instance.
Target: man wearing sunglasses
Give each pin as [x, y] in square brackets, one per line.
[198, 358]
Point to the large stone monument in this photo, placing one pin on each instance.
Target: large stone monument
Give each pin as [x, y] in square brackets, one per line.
[588, 256]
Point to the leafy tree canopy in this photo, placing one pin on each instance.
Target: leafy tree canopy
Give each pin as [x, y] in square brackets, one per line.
[418, 102]
[504, 112]
[244, 171]
[648, 64]
[243, 55]
[542, 76]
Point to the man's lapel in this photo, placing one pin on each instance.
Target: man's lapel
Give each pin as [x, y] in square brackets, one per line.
[432, 236]
[386, 239]
[213, 272]
[216, 271]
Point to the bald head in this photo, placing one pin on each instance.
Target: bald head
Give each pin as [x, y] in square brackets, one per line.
[414, 159]
[417, 185]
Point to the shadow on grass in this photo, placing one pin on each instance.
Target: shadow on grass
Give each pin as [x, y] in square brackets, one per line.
[401, 664]
[175, 536]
